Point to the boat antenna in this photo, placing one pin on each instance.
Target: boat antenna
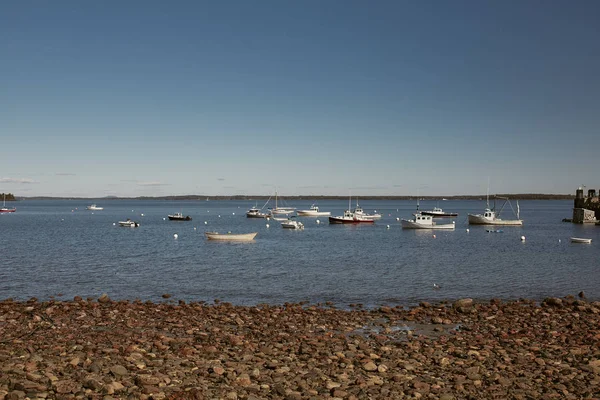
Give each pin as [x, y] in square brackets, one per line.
[518, 210]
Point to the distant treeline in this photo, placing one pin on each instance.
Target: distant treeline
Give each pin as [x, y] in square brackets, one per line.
[522, 196]
[9, 196]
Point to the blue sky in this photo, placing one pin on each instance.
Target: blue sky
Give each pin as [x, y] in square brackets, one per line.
[310, 97]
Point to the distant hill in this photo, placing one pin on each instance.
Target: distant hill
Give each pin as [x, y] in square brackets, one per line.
[9, 196]
[521, 196]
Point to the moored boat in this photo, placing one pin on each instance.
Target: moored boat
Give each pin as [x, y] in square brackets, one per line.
[439, 213]
[313, 211]
[129, 223]
[179, 217]
[580, 240]
[424, 222]
[492, 217]
[350, 218]
[5, 209]
[255, 213]
[239, 237]
[292, 223]
[281, 210]
[94, 207]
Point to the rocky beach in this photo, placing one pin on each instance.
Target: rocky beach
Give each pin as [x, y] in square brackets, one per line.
[105, 349]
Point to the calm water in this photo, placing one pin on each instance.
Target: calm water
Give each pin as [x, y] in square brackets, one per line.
[58, 247]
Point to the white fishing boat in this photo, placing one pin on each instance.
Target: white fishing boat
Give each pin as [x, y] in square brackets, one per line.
[313, 211]
[350, 217]
[424, 222]
[94, 207]
[292, 223]
[129, 223]
[358, 211]
[255, 212]
[492, 217]
[580, 240]
[237, 237]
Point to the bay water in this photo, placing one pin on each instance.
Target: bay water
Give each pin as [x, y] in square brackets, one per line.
[58, 249]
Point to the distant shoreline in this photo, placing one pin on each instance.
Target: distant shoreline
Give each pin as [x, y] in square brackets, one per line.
[522, 196]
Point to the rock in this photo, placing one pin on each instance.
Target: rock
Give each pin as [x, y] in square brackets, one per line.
[463, 303]
[166, 296]
[119, 370]
[553, 301]
[370, 366]
[104, 299]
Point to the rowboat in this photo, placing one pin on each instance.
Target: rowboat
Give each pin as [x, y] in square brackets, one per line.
[580, 240]
[239, 237]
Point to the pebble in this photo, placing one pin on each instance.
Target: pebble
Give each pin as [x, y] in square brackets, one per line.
[461, 349]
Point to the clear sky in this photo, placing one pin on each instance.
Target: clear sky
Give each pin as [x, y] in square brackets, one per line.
[132, 98]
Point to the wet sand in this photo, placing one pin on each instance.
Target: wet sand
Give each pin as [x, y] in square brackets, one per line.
[104, 349]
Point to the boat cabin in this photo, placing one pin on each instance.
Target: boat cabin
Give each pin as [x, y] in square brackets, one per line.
[489, 214]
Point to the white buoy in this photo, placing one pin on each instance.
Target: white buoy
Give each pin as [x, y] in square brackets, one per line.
[233, 213]
[194, 228]
[397, 219]
[522, 238]
[164, 219]
[558, 240]
[467, 230]
[388, 227]
[267, 225]
[114, 224]
[142, 214]
[434, 236]
[318, 222]
[205, 223]
[219, 216]
[175, 236]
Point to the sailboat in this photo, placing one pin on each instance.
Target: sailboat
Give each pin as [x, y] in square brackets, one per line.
[492, 217]
[281, 210]
[4, 209]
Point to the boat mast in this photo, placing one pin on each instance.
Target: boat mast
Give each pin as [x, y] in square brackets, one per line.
[487, 195]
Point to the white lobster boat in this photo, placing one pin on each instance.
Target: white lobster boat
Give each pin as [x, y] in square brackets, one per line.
[492, 217]
[424, 222]
[313, 212]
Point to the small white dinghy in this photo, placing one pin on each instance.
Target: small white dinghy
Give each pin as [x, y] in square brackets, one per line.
[580, 240]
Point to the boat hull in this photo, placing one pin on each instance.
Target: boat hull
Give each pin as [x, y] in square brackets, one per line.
[7, 210]
[580, 240]
[232, 237]
[408, 224]
[131, 224]
[173, 218]
[341, 220]
[253, 215]
[439, 215]
[478, 219]
[310, 213]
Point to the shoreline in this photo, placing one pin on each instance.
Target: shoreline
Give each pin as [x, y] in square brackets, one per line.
[105, 349]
